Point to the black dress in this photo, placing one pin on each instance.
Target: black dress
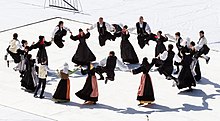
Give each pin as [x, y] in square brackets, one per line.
[42, 53]
[128, 53]
[62, 93]
[160, 47]
[29, 79]
[90, 88]
[145, 91]
[83, 54]
[186, 78]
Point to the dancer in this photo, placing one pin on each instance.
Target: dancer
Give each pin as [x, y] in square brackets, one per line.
[108, 68]
[165, 62]
[42, 75]
[89, 93]
[128, 53]
[29, 79]
[59, 32]
[202, 48]
[83, 54]
[196, 66]
[143, 31]
[14, 45]
[185, 78]
[42, 53]
[62, 93]
[179, 46]
[145, 91]
[160, 47]
[103, 33]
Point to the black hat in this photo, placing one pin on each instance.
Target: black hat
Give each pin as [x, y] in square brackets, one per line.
[23, 41]
[41, 37]
[80, 30]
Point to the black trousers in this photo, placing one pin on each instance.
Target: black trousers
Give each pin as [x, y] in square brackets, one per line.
[104, 37]
[43, 82]
[110, 72]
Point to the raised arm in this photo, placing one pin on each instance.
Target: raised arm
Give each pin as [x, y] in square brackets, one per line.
[148, 29]
[109, 26]
[93, 26]
[54, 31]
[74, 37]
[138, 70]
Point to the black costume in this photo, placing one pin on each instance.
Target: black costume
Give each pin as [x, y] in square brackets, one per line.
[160, 47]
[145, 91]
[104, 34]
[83, 54]
[42, 53]
[58, 37]
[128, 53]
[29, 79]
[142, 34]
[108, 69]
[62, 93]
[185, 78]
[90, 88]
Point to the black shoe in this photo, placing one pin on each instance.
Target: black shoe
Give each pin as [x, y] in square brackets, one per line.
[5, 57]
[41, 97]
[106, 80]
[101, 78]
[35, 96]
[168, 77]
[207, 60]
[176, 72]
[63, 40]
[8, 63]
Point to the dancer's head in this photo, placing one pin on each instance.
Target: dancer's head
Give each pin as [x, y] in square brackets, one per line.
[159, 33]
[60, 24]
[201, 33]
[100, 20]
[81, 33]
[15, 36]
[170, 47]
[141, 19]
[177, 35]
[24, 43]
[111, 53]
[65, 68]
[145, 61]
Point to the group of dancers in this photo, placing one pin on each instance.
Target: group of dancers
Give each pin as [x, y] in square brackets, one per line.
[33, 72]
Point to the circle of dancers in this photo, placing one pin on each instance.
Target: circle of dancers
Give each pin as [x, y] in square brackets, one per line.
[33, 72]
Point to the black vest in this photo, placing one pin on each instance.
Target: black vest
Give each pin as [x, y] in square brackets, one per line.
[102, 29]
[111, 62]
[139, 29]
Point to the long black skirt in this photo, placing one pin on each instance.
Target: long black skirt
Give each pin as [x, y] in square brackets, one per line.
[27, 81]
[83, 55]
[198, 75]
[160, 48]
[145, 91]
[62, 92]
[185, 78]
[128, 53]
[88, 89]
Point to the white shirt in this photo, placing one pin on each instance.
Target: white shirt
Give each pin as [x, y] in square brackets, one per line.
[57, 28]
[163, 56]
[119, 64]
[14, 45]
[147, 28]
[109, 27]
[202, 41]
